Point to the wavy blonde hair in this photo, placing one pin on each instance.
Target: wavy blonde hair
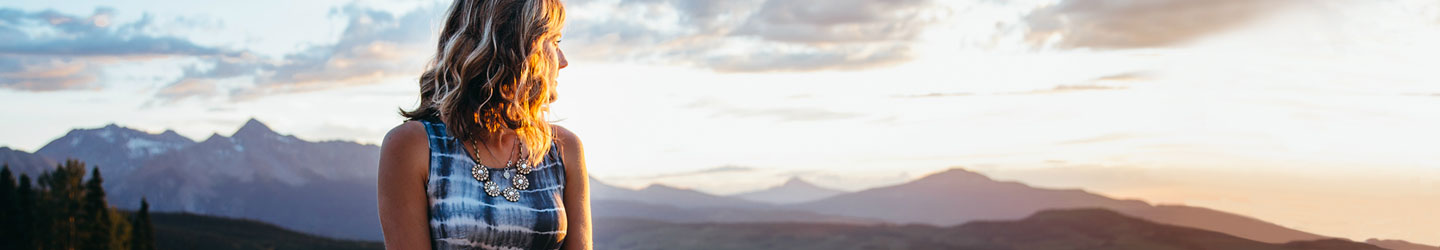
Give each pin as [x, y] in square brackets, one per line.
[492, 71]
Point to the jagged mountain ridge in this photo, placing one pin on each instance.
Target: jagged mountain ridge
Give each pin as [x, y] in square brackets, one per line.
[117, 150]
[326, 187]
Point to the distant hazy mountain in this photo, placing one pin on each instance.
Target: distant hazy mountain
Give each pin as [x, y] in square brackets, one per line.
[1399, 245]
[667, 195]
[957, 196]
[118, 151]
[1051, 229]
[326, 187]
[793, 190]
[668, 213]
[671, 204]
[21, 162]
[194, 231]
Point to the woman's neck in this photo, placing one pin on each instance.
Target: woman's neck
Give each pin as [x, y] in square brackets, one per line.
[498, 146]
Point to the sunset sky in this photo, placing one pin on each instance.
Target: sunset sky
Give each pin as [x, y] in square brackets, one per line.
[1322, 115]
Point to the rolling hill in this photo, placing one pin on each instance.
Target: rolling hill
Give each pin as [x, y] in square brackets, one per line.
[1070, 229]
[194, 231]
[957, 196]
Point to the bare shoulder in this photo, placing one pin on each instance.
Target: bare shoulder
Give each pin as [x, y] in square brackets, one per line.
[571, 150]
[406, 135]
[404, 161]
[405, 146]
[564, 136]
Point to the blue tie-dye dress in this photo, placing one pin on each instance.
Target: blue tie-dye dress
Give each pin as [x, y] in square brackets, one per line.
[462, 216]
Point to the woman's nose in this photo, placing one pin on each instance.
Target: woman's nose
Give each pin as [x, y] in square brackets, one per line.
[563, 62]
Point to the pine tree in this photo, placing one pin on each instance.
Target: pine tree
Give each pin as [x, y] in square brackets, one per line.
[142, 236]
[61, 217]
[95, 223]
[26, 200]
[9, 210]
[7, 192]
[63, 210]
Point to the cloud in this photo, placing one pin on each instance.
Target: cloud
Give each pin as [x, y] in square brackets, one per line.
[44, 74]
[749, 35]
[51, 33]
[860, 57]
[831, 21]
[374, 45]
[49, 51]
[1127, 24]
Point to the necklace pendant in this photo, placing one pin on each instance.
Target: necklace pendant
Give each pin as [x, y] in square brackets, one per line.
[512, 195]
[520, 182]
[480, 173]
[524, 168]
[492, 189]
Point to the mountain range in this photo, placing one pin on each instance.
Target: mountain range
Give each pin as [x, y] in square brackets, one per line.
[945, 198]
[328, 188]
[1089, 228]
[957, 195]
[120, 150]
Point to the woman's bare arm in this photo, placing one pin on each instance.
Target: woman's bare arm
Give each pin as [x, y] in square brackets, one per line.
[577, 192]
[404, 166]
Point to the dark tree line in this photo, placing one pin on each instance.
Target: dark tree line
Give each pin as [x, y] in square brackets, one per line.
[62, 210]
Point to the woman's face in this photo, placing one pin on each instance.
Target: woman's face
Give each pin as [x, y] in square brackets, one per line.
[554, 47]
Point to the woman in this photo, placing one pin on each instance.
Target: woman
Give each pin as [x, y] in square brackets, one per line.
[477, 166]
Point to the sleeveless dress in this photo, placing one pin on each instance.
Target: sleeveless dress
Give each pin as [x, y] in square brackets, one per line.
[462, 216]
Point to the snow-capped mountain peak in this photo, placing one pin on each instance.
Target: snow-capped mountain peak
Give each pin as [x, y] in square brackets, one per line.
[121, 149]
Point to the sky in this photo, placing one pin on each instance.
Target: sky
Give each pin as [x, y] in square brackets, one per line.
[1314, 114]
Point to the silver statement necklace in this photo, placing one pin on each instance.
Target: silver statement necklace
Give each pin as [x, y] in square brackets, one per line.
[517, 182]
